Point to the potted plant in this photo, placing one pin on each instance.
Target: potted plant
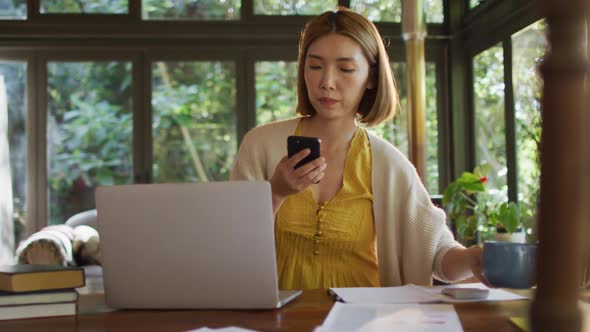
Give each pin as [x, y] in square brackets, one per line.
[464, 206]
[511, 222]
[478, 215]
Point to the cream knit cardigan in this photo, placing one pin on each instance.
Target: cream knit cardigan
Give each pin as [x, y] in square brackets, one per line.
[412, 236]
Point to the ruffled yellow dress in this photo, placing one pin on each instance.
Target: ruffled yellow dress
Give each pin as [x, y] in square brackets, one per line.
[332, 244]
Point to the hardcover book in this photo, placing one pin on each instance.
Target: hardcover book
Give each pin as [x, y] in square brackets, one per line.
[38, 297]
[28, 278]
[38, 310]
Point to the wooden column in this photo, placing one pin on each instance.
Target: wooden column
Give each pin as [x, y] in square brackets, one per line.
[586, 224]
[414, 33]
[564, 192]
[586, 229]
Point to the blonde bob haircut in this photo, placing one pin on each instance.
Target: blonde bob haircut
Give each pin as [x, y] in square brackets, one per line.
[377, 104]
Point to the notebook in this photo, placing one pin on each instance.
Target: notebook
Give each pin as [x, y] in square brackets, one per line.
[194, 246]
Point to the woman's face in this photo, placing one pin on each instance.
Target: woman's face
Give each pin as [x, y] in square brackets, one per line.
[336, 76]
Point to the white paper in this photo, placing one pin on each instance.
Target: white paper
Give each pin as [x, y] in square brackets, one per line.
[586, 316]
[416, 294]
[391, 295]
[346, 317]
[496, 294]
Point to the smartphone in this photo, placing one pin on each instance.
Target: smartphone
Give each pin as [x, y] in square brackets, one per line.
[467, 293]
[298, 143]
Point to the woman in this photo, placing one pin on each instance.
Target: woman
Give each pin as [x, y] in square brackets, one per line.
[358, 215]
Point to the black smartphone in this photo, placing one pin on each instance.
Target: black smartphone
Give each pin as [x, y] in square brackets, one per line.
[298, 143]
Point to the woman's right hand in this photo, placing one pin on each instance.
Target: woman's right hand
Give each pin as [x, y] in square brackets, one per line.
[287, 180]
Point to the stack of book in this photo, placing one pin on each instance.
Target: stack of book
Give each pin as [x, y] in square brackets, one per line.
[34, 291]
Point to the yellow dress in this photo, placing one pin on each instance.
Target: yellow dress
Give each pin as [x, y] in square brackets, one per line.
[331, 244]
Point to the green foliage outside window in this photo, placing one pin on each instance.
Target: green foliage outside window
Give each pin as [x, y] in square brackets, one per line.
[391, 10]
[293, 7]
[88, 132]
[489, 122]
[432, 151]
[90, 127]
[276, 91]
[528, 47]
[85, 6]
[380, 10]
[13, 9]
[434, 11]
[191, 9]
[194, 121]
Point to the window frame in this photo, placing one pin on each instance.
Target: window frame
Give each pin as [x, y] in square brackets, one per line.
[482, 28]
[42, 38]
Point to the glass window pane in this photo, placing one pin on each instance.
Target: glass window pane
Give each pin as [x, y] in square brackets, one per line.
[13, 10]
[293, 7]
[528, 46]
[490, 142]
[194, 121]
[13, 78]
[89, 132]
[434, 11]
[379, 10]
[191, 10]
[475, 3]
[276, 91]
[391, 10]
[431, 130]
[396, 131]
[84, 6]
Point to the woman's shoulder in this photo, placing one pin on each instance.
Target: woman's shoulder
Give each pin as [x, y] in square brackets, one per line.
[390, 163]
[387, 153]
[274, 129]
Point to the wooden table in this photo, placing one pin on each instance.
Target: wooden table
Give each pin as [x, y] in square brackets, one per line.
[303, 314]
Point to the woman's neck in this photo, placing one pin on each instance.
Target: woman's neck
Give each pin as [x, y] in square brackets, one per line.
[333, 133]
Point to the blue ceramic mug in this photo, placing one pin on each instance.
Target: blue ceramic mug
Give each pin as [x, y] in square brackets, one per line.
[510, 265]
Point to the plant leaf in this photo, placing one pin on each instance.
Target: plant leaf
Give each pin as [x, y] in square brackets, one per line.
[508, 216]
[471, 182]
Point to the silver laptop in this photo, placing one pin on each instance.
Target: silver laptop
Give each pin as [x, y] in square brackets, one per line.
[198, 246]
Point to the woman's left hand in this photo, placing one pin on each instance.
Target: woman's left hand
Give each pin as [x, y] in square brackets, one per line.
[474, 258]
